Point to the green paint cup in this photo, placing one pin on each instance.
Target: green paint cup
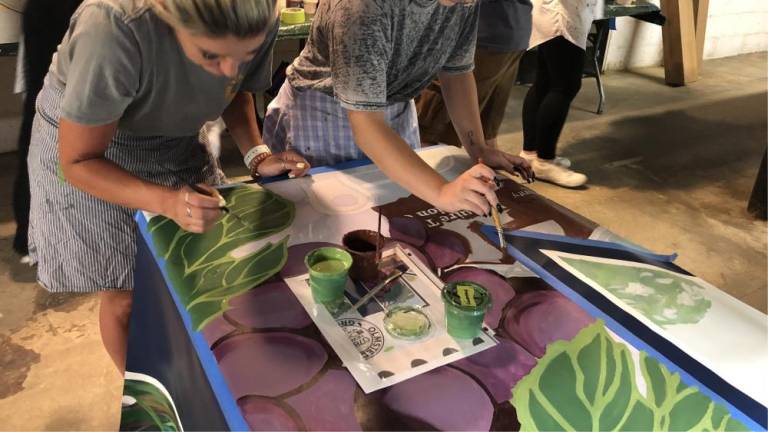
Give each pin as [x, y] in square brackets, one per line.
[465, 306]
[328, 268]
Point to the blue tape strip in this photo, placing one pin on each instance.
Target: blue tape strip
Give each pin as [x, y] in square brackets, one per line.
[227, 402]
[616, 327]
[585, 242]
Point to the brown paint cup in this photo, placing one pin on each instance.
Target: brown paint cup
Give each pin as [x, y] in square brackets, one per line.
[361, 244]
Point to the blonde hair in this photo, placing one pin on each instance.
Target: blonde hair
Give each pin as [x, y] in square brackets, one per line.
[239, 18]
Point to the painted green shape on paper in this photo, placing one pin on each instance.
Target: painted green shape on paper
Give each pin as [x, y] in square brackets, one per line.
[151, 410]
[203, 271]
[590, 384]
[663, 297]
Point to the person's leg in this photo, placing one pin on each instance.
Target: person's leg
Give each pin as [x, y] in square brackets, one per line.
[532, 102]
[114, 314]
[565, 65]
[434, 121]
[495, 104]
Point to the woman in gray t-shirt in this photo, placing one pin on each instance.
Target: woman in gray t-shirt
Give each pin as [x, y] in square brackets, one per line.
[350, 94]
[116, 130]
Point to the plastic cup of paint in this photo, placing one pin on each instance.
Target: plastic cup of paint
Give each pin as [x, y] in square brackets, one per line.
[310, 7]
[465, 306]
[328, 268]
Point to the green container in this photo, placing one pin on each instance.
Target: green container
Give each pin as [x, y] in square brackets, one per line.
[465, 306]
[328, 268]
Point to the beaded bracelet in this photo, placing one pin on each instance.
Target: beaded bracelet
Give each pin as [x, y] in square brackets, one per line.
[254, 153]
[255, 162]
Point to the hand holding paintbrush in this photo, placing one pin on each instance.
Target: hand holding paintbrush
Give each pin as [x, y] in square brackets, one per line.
[496, 211]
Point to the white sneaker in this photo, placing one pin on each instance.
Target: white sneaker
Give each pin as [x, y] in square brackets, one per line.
[563, 162]
[554, 173]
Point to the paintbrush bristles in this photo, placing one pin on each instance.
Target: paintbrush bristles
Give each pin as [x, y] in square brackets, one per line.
[499, 228]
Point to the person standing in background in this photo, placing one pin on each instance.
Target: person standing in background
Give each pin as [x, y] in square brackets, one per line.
[43, 24]
[502, 38]
[560, 29]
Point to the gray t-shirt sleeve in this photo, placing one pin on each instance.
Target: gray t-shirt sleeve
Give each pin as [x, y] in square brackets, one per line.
[258, 77]
[104, 63]
[360, 49]
[462, 58]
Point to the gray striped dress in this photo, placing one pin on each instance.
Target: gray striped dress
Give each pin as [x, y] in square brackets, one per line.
[82, 243]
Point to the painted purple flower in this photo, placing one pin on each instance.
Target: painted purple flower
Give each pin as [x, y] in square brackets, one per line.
[446, 248]
[499, 368]
[538, 318]
[268, 364]
[329, 404]
[265, 414]
[408, 230]
[444, 398]
[270, 305]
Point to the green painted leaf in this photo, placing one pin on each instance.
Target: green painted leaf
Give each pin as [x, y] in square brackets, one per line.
[662, 297]
[152, 410]
[202, 269]
[590, 384]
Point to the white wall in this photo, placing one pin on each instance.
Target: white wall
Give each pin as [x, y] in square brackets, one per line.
[10, 20]
[733, 27]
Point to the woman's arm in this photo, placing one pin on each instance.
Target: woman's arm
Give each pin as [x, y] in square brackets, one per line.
[460, 95]
[240, 118]
[401, 164]
[81, 154]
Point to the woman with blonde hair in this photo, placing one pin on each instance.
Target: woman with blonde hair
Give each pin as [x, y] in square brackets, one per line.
[116, 130]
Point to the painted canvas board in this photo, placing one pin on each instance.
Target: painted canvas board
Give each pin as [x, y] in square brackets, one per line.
[688, 311]
[554, 366]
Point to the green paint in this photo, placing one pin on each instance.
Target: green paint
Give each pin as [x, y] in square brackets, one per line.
[465, 306]
[152, 410]
[663, 297]
[201, 267]
[589, 384]
[329, 266]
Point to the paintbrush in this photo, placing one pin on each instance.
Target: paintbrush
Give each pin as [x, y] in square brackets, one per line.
[364, 299]
[222, 202]
[496, 215]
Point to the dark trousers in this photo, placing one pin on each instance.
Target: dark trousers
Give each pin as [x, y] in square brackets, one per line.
[495, 74]
[558, 79]
[44, 24]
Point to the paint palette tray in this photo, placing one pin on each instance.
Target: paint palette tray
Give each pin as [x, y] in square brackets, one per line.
[374, 356]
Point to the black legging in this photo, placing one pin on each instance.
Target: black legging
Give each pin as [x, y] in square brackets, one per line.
[44, 23]
[558, 80]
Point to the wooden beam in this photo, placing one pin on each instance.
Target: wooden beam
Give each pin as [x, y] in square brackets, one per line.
[681, 64]
[700, 15]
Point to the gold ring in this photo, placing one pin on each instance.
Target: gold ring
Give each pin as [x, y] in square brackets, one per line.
[189, 211]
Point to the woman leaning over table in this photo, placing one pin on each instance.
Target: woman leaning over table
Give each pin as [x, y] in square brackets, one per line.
[116, 130]
[350, 94]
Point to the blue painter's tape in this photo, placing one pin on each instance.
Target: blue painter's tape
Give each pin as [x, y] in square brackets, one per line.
[586, 242]
[227, 403]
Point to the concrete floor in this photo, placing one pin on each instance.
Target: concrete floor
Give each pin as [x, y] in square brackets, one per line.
[670, 168]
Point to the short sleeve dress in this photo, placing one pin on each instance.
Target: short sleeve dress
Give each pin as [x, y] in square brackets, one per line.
[120, 62]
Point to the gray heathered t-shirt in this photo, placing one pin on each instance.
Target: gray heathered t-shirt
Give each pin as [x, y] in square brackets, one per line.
[505, 25]
[120, 61]
[371, 53]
